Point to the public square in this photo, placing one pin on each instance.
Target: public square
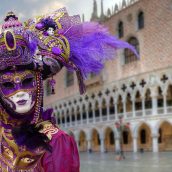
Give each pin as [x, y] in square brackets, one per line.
[140, 162]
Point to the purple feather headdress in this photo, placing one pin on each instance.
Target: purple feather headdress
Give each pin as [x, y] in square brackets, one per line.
[90, 44]
[93, 47]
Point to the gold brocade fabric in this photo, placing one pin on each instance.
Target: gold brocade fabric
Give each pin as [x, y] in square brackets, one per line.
[18, 159]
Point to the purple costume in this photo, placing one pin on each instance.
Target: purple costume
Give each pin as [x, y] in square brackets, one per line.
[29, 53]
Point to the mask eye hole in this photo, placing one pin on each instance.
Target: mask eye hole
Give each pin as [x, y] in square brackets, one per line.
[8, 85]
[28, 82]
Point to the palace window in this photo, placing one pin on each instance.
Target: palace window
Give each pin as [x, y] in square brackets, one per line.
[129, 56]
[141, 20]
[120, 29]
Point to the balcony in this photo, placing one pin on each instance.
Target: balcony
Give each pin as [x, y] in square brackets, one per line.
[127, 116]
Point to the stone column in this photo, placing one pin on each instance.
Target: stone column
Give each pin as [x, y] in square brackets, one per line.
[143, 105]
[102, 145]
[116, 111]
[81, 112]
[65, 117]
[100, 110]
[155, 145]
[75, 117]
[165, 103]
[70, 118]
[89, 145]
[87, 114]
[108, 111]
[133, 107]
[135, 148]
[124, 108]
[154, 101]
[94, 115]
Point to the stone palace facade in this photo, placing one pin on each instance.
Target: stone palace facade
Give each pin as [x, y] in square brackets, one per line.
[137, 90]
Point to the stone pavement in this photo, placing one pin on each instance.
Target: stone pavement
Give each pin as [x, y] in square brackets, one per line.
[145, 162]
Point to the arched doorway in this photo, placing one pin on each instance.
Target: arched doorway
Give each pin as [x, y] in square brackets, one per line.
[82, 142]
[95, 140]
[144, 138]
[165, 137]
[109, 140]
[127, 140]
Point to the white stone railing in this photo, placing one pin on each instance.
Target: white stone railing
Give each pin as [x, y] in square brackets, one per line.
[139, 113]
[160, 110]
[129, 114]
[97, 119]
[148, 111]
[169, 109]
[113, 117]
[84, 121]
[104, 118]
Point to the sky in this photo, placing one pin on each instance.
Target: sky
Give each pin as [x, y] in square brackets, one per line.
[25, 9]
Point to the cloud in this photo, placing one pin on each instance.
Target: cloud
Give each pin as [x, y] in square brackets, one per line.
[48, 8]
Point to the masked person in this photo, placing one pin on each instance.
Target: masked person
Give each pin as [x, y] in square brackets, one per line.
[29, 54]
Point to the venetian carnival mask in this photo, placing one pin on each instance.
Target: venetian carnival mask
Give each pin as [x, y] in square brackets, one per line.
[18, 90]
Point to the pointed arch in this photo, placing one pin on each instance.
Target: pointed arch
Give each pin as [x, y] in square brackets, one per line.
[95, 140]
[165, 136]
[109, 139]
[82, 141]
[144, 137]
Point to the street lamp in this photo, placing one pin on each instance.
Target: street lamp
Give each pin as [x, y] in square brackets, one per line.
[121, 126]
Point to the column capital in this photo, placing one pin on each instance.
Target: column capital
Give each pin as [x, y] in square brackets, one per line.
[117, 137]
[155, 135]
[154, 92]
[135, 137]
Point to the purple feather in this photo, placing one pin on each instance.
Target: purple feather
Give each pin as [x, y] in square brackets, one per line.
[91, 46]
